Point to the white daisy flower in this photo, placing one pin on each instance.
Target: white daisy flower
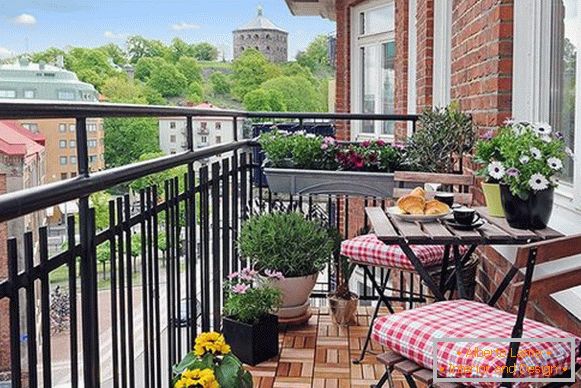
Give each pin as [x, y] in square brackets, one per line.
[509, 121]
[536, 153]
[301, 133]
[496, 170]
[524, 159]
[538, 182]
[554, 180]
[542, 129]
[555, 163]
[569, 152]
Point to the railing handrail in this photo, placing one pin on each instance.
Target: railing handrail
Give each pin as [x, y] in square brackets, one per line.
[18, 203]
[39, 109]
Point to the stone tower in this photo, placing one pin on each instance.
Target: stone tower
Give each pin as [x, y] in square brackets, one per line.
[263, 35]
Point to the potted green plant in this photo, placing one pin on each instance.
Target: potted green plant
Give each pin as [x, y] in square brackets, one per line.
[343, 303]
[300, 163]
[290, 244]
[249, 325]
[488, 151]
[527, 161]
[210, 364]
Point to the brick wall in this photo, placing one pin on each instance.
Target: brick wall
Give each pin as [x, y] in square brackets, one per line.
[425, 53]
[401, 64]
[4, 324]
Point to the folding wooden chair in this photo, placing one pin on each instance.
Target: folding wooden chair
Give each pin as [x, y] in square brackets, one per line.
[410, 334]
[368, 252]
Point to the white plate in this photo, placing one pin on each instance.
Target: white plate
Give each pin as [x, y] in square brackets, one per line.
[397, 213]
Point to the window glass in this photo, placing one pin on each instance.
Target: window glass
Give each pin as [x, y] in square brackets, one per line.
[370, 72]
[62, 127]
[62, 144]
[388, 85]
[29, 94]
[66, 95]
[73, 160]
[377, 20]
[72, 127]
[63, 160]
[7, 93]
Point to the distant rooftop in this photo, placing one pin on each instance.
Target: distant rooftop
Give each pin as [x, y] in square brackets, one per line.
[260, 22]
[17, 141]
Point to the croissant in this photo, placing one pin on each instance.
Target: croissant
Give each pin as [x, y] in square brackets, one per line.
[435, 207]
[412, 204]
[418, 192]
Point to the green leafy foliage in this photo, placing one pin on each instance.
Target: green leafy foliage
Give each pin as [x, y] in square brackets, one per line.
[167, 80]
[126, 139]
[190, 68]
[260, 100]
[286, 242]
[220, 83]
[205, 52]
[443, 136]
[146, 66]
[195, 92]
[299, 95]
[251, 69]
[139, 47]
[316, 56]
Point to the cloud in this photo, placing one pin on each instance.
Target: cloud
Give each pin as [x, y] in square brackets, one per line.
[113, 35]
[184, 26]
[25, 19]
[5, 53]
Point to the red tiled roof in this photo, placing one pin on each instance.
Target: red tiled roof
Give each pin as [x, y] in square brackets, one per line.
[37, 137]
[16, 140]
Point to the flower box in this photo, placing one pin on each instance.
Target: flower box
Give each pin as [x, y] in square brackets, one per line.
[252, 343]
[295, 181]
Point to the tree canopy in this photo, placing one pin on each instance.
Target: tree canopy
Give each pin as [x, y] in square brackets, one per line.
[126, 139]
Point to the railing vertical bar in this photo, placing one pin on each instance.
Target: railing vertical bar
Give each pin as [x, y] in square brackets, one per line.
[188, 256]
[205, 240]
[169, 285]
[216, 259]
[45, 308]
[114, 317]
[243, 185]
[235, 210]
[192, 223]
[144, 292]
[73, 336]
[190, 226]
[148, 240]
[129, 273]
[122, 305]
[30, 311]
[155, 227]
[225, 218]
[250, 183]
[15, 354]
[177, 239]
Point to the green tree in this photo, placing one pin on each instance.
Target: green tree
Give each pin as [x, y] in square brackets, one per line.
[139, 47]
[195, 92]
[220, 83]
[157, 179]
[90, 65]
[100, 202]
[120, 89]
[180, 49]
[298, 94]
[49, 55]
[251, 69]
[115, 53]
[126, 139]
[260, 100]
[146, 66]
[316, 56]
[205, 52]
[190, 68]
[168, 80]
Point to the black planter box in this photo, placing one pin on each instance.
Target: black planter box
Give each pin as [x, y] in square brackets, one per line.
[252, 344]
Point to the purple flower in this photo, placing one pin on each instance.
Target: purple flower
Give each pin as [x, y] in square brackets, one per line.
[487, 135]
[329, 140]
[272, 274]
[559, 135]
[247, 274]
[240, 288]
[365, 143]
[324, 146]
[380, 143]
[513, 172]
[399, 146]
[233, 275]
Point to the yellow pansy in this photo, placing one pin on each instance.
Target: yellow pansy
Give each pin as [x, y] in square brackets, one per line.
[197, 378]
[212, 342]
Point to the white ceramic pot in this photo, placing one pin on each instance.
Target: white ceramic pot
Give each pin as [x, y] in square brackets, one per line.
[295, 294]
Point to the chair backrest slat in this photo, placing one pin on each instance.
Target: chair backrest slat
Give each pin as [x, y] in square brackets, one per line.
[549, 284]
[550, 250]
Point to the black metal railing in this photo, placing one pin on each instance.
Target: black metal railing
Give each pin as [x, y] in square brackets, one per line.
[160, 294]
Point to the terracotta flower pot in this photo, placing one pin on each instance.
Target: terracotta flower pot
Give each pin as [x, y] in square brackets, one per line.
[531, 213]
[343, 311]
[493, 201]
[295, 294]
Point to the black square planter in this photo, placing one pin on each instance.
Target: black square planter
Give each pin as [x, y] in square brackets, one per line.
[252, 344]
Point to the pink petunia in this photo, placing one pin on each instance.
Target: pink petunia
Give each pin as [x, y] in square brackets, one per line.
[272, 274]
[233, 275]
[240, 288]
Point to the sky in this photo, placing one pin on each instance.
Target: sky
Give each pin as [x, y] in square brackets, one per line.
[34, 25]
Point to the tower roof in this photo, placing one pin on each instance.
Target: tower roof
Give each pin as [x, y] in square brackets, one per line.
[260, 22]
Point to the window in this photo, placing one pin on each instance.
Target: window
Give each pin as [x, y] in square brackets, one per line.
[204, 140]
[62, 128]
[92, 159]
[62, 144]
[72, 127]
[73, 174]
[32, 127]
[92, 143]
[172, 138]
[373, 72]
[204, 125]
[66, 95]
[7, 93]
[29, 94]
[172, 124]
[218, 139]
[218, 125]
[73, 160]
[442, 70]
[63, 160]
[64, 175]
[92, 127]
[72, 143]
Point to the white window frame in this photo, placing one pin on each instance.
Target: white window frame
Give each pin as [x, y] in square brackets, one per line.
[442, 69]
[412, 60]
[532, 91]
[357, 42]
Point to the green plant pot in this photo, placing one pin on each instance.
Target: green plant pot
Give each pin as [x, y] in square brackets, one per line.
[493, 201]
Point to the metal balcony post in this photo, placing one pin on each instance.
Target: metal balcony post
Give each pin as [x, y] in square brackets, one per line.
[89, 305]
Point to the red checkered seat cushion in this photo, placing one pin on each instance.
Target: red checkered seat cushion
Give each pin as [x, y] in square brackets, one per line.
[411, 332]
[369, 250]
